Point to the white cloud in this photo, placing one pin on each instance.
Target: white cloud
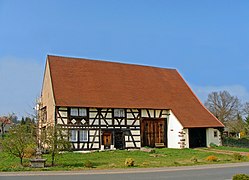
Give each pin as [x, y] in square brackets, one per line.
[236, 90]
[20, 83]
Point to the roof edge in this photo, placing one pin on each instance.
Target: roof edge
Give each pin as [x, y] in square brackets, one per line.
[108, 61]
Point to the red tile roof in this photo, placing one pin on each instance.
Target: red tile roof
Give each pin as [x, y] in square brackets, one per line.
[93, 83]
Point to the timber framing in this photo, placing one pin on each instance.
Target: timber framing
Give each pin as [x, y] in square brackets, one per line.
[107, 105]
[100, 120]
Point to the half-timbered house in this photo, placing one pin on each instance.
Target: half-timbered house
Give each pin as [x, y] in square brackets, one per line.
[107, 105]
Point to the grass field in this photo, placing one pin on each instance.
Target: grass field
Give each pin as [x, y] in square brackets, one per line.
[115, 159]
[232, 148]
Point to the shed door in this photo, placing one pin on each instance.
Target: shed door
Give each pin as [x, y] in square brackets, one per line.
[153, 131]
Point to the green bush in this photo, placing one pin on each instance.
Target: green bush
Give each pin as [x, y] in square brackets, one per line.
[212, 145]
[240, 177]
[233, 142]
[194, 159]
[237, 156]
[129, 162]
[88, 164]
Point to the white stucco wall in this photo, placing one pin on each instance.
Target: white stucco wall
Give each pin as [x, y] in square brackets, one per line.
[174, 127]
[210, 137]
[186, 137]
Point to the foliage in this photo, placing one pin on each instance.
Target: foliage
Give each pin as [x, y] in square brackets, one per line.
[242, 142]
[29, 152]
[88, 164]
[129, 162]
[237, 125]
[212, 145]
[240, 177]
[17, 140]
[55, 139]
[194, 159]
[237, 156]
[212, 158]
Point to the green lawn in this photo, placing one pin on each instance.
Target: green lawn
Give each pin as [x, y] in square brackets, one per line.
[232, 148]
[115, 159]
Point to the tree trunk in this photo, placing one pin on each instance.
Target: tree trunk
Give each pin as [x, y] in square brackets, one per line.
[21, 160]
[53, 157]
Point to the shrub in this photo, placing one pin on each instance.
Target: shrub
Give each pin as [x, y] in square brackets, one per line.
[242, 142]
[194, 159]
[212, 158]
[237, 156]
[212, 145]
[240, 177]
[29, 152]
[88, 164]
[129, 162]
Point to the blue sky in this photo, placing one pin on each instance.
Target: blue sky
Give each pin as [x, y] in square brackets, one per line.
[207, 41]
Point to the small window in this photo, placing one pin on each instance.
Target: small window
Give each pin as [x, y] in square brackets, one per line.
[215, 134]
[74, 112]
[73, 135]
[83, 135]
[119, 113]
[78, 112]
[82, 112]
[43, 114]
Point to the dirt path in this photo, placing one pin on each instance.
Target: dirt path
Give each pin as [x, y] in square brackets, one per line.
[223, 151]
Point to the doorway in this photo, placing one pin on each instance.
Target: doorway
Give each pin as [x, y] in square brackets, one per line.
[119, 139]
[197, 137]
[107, 139]
[153, 131]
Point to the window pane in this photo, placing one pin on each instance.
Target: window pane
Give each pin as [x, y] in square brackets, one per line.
[119, 113]
[82, 112]
[73, 136]
[74, 112]
[83, 135]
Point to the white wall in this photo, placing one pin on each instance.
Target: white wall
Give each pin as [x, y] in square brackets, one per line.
[211, 138]
[174, 130]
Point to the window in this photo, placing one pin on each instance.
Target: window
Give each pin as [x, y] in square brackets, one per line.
[215, 134]
[78, 135]
[119, 113]
[73, 135]
[83, 135]
[78, 112]
[74, 112]
[82, 112]
[43, 114]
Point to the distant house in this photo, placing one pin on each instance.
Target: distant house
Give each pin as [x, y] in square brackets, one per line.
[114, 105]
[5, 124]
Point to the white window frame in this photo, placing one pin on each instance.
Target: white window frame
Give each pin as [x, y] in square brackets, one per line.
[119, 113]
[83, 135]
[73, 136]
[82, 112]
[74, 112]
[79, 112]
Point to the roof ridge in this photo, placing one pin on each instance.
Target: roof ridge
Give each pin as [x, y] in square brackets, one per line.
[108, 61]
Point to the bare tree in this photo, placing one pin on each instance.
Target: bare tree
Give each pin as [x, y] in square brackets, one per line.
[246, 109]
[223, 105]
